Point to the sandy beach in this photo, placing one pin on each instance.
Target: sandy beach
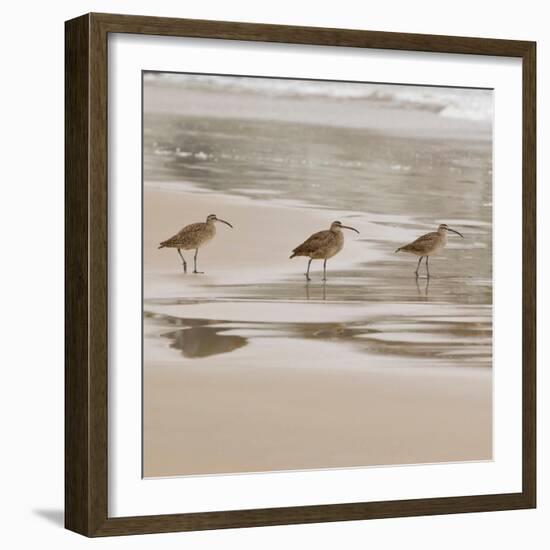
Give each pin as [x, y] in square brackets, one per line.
[363, 411]
[240, 379]
[246, 368]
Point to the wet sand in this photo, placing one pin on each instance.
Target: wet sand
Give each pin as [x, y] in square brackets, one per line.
[313, 405]
[248, 369]
[254, 248]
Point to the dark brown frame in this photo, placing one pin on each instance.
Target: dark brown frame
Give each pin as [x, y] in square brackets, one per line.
[86, 475]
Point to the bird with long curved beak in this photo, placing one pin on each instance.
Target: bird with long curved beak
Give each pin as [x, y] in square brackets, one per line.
[194, 236]
[322, 246]
[429, 244]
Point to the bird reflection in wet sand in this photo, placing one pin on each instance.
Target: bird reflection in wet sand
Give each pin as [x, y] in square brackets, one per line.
[322, 246]
[429, 244]
[423, 293]
[324, 292]
[204, 341]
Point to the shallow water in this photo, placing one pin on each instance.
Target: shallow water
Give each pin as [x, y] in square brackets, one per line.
[432, 318]
[338, 168]
[402, 187]
[251, 352]
[459, 334]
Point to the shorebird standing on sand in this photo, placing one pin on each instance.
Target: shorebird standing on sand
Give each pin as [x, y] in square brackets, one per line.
[429, 244]
[322, 246]
[193, 236]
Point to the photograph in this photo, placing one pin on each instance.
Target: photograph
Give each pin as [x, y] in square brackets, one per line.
[317, 274]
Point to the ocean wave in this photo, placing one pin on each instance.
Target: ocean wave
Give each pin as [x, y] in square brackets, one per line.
[457, 103]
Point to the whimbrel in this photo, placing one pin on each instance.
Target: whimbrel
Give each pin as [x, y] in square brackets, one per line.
[429, 244]
[193, 236]
[322, 246]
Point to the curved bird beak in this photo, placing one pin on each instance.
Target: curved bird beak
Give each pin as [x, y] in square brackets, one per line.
[223, 221]
[348, 227]
[460, 234]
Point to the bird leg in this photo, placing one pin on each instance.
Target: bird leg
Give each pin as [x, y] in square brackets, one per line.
[418, 266]
[325, 270]
[183, 260]
[427, 268]
[307, 273]
[195, 262]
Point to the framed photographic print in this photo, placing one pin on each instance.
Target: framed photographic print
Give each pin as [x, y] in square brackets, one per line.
[300, 275]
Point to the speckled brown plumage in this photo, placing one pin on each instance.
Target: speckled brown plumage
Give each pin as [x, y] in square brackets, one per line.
[193, 237]
[423, 244]
[322, 245]
[429, 244]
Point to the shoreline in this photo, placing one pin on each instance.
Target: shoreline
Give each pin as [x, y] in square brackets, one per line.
[249, 369]
[166, 211]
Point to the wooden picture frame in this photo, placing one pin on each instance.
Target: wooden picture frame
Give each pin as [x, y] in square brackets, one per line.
[86, 410]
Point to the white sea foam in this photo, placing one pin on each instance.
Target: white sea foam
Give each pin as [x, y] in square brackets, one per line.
[458, 103]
